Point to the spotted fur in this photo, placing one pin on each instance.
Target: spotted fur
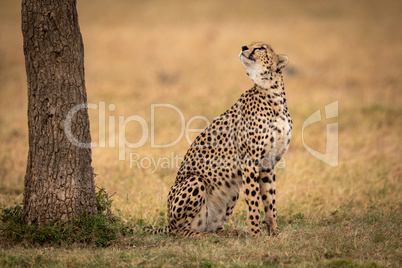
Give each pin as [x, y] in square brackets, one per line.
[238, 150]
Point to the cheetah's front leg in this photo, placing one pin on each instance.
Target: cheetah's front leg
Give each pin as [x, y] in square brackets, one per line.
[251, 193]
[267, 185]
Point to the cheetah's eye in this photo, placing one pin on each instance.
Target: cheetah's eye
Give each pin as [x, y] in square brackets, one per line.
[258, 48]
[252, 52]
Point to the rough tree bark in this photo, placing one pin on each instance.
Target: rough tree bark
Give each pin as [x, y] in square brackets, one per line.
[59, 180]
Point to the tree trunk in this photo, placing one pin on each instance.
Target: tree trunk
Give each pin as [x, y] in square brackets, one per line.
[59, 180]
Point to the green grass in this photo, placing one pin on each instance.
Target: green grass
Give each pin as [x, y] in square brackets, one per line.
[345, 238]
[100, 230]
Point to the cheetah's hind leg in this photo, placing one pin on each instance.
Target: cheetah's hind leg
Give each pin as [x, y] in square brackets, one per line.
[189, 212]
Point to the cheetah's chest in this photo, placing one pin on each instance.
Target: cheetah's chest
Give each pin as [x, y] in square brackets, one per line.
[281, 134]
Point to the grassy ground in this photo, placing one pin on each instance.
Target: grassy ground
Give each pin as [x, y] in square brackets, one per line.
[185, 54]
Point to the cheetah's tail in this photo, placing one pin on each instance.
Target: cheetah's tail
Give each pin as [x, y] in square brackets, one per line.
[162, 230]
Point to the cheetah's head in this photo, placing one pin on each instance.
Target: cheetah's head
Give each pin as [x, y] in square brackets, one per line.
[261, 63]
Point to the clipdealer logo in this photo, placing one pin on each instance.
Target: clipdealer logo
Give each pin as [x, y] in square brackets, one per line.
[330, 156]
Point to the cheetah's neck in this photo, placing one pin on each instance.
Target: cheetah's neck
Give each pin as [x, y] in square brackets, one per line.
[274, 89]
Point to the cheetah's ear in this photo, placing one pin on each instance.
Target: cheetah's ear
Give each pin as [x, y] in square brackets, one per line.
[282, 61]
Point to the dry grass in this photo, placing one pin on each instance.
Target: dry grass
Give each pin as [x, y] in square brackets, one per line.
[185, 53]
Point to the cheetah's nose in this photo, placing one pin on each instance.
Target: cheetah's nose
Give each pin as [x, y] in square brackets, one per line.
[244, 48]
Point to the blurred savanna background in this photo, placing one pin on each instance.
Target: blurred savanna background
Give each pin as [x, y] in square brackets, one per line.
[185, 54]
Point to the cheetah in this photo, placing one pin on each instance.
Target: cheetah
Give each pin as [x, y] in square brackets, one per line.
[238, 150]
